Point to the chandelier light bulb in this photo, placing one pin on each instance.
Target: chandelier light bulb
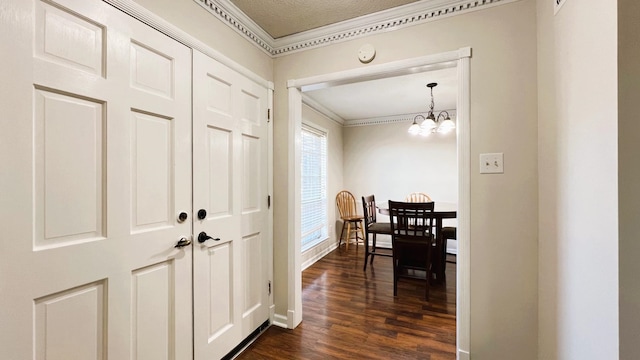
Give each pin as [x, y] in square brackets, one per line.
[414, 129]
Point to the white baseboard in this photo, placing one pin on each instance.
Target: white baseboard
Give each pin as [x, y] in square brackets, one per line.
[452, 246]
[463, 355]
[319, 255]
[280, 321]
[291, 317]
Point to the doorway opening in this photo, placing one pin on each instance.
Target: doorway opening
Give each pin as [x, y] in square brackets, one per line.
[458, 59]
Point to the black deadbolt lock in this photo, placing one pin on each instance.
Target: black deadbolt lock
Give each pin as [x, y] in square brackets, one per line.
[202, 214]
[183, 216]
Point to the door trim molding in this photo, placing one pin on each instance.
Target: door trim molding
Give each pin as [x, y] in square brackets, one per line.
[461, 60]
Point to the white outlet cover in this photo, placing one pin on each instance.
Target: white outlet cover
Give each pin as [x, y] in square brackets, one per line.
[492, 163]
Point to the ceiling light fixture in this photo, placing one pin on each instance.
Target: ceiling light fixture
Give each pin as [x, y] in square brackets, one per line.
[431, 124]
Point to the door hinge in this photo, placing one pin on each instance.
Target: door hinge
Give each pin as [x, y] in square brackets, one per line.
[268, 201]
[268, 115]
[269, 287]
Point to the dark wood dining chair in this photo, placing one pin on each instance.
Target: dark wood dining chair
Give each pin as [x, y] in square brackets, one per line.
[351, 221]
[412, 241]
[373, 227]
[439, 254]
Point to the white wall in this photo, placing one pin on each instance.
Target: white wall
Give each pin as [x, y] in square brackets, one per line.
[503, 118]
[386, 161]
[334, 181]
[578, 130]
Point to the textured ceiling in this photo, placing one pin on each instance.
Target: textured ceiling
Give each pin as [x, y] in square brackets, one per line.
[390, 96]
[281, 18]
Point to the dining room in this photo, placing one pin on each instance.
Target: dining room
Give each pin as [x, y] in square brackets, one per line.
[371, 150]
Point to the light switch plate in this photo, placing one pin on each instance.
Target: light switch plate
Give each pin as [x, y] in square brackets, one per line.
[492, 163]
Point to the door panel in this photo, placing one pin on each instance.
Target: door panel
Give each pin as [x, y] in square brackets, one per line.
[72, 319]
[99, 153]
[61, 161]
[151, 165]
[230, 183]
[153, 324]
[220, 260]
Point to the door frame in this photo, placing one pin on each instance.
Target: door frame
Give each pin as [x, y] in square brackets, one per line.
[461, 60]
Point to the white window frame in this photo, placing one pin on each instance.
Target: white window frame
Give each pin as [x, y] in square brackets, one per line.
[323, 224]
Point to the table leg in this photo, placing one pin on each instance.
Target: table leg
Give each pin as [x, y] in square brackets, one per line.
[440, 261]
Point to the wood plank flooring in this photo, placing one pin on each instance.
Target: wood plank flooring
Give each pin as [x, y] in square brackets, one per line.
[352, 314]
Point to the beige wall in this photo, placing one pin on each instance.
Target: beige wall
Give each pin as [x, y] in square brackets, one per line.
[629, 176]
[334, 180]
[386, 161]
[578, 167]
[199, 23]
[503, 119]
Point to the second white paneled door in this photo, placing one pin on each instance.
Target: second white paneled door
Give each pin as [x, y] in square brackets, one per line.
[230, 147]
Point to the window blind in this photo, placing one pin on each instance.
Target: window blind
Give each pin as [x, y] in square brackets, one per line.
[314, 187]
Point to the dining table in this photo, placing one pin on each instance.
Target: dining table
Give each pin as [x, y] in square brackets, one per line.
[442, 210]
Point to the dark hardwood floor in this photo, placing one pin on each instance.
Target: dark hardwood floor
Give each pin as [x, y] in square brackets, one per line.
[352, 314]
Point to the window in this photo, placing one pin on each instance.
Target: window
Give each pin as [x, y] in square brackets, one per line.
[314, 186]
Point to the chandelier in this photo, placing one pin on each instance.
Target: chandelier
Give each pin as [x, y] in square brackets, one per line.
[431, 124]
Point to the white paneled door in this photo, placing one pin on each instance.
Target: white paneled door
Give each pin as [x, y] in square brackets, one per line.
[231, 288]
[96, 167]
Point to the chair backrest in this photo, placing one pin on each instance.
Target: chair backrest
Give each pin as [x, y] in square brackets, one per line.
[412, 221]
[418, 197]
[346, 203]
[369, 209]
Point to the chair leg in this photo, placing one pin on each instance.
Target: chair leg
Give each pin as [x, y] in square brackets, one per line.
[366, 250]
[395, 273]
[361, 226]
[356, 227]
[443, 259]
[373, 248]
[341, 233]
[429, 275]
[348, 234]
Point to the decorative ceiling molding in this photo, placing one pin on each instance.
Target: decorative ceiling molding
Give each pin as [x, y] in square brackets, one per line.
[390, 119]
[388, 20]
[233, 17]
[311, 103]
[321, 109]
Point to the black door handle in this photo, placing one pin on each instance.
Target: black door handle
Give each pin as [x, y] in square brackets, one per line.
[202, 237]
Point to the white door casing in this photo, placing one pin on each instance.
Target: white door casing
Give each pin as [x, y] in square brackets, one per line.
[96, 140]
[461, 60]
[230, 160]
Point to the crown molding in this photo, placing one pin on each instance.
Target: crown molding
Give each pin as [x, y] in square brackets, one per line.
[233, 17]
[415, 13]
[390, 119]
[307, 100]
